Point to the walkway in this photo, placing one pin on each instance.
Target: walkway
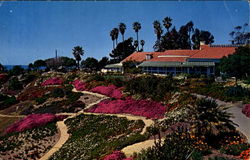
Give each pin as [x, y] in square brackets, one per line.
[238, 117]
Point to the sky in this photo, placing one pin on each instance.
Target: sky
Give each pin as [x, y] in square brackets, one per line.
[34, 30]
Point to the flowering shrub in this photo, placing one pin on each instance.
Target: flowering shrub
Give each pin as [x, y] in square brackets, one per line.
[116, 155]
[52, 81]
[146, 108]
[80, 86]
[234, 149]
[32, 121]
[3, 78]
[245, 154]
[111, 91]
[246, 110]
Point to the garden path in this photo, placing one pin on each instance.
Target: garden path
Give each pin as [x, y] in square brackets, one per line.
[12, 116]
[238, 117]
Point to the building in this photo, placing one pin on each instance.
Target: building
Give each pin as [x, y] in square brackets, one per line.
[200, 61]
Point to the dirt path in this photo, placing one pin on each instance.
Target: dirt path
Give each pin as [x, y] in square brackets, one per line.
[12, 116]
[63, 138]
[238, 117]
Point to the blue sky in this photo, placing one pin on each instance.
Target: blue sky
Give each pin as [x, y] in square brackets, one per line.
[33, 30]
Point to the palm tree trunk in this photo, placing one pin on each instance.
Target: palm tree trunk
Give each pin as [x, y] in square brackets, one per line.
[123, 43]
[116, 42]
[137, 40]
[113, 44]
[78, 64]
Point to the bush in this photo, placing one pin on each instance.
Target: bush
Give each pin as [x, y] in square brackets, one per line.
[234, 149]
[95, 77]
[41, 100]
[237, 91]
[151, 87]
[57, 92]
[111, 91]
[14, 84]
[6, 101]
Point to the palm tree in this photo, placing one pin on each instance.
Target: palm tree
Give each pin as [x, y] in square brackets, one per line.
[137, 27]
[112, 35]
[158, 29]
[122, 28]
[136, 43]
[167, 23]
[78, 52]
[142, 44]
[116, 34]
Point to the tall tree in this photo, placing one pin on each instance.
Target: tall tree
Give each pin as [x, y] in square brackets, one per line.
[142, 44]
[122, 28]
[190, 29]
[158, 29]
[137, 27]
[167, 22]
[199, 36]
[78, 52]
[239, 35]
[112, 35]
[116, 34]
[103, 62]
[39, 63]
[136, 43]
[183, 38]
[90, 63]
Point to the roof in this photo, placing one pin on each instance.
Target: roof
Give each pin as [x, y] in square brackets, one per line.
[176, 64]
[181, 55]
[116, 65]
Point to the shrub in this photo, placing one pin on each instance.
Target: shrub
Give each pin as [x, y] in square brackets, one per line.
[246, 110]
[95, 77]
[6, 101]
[115, 155]
[3, 78]
[41, 100]
[57, 92]
[234, 149]
[146, 108]
[237, 91]
[111, 91]
[32, 121]
[14, 84]
[52, 81]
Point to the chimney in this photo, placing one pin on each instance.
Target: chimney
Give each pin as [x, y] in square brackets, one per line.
[202, 45]
[149, 56]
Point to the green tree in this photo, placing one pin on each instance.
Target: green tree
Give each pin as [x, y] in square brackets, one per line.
[142, 44]
[158, 29]
[1, 68]
[167, 22]
[78, 52]
[136, 43]
[112, 36]
[199, 36]
[137, 27]
[237, 64]
[240, 35]
[39, 63]
[67, 62]
[122, 28]
[90, 63]
[16, 70]
[116, 34]
[30, 66]
[117, 54]
[103, 62]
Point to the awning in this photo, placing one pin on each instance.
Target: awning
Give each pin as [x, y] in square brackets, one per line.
[116, 65]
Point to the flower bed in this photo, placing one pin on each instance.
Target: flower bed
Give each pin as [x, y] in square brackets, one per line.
[79, 85]
[32, 121]
[111, 91]
[116, 155]
[146, 108]
[246, 110]
[52, 81]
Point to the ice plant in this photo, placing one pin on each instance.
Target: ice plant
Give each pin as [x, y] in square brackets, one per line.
[146, 108]
[52, 81]
[79, 85]
[116, 155]
[246, 110]
[32, 121]
[111, 91]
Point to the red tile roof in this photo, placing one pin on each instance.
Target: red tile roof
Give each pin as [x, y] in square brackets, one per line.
[181, 55]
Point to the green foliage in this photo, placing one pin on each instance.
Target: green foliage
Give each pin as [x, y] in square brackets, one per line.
[152, 87]
[177, 145]
[234, 149]
[237, 91]
[95, 77]
[90, 63]
[42, 99]
[92, 137]
[15, 84]
[237, 64]
[6, 101]
[16, 70]
[39, 63]
[57, 92]
[103, 62]
[220, 158]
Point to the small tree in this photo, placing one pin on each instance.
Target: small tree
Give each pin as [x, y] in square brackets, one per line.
[39, 63]
[90, 63]
[78, 52]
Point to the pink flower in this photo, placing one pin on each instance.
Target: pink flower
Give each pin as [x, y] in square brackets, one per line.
[80, 86]
[146, 108]
[246, 110]
[111, 91]
[32, 121]
[116, 155]
[52, 81]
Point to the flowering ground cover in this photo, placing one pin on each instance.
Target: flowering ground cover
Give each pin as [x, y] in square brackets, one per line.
[29, 144]
[116, 155]
[145, 108]
[52, 81]
[32, 121]
[79, 85]
[110, 91]
[246, 110]
[94, 137]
